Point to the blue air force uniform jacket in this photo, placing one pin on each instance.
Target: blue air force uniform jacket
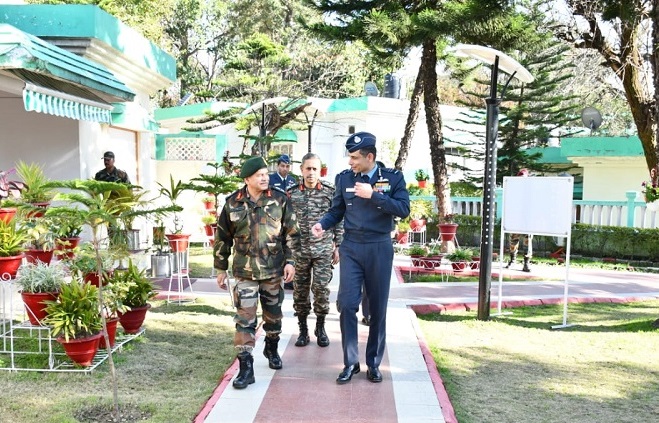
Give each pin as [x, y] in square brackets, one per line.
[368, 219]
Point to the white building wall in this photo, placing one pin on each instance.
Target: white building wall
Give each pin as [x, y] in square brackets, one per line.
[621, 174]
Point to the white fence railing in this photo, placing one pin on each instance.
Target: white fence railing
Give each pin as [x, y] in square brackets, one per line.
[630, 213]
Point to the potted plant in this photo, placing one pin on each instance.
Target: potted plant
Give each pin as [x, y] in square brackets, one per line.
[651, 191]
[115, 290]
[416, 252]
[421, 177]
[12, 238]
[36, 191]
[209, 221]
[137, 297]
[161, 260]
[10, 192]
[460, 258]
[323, 170]
[177, 240]
[447, 227]
[209, 203]
[220, 182]
[402, 229]
[41, 240]
[75, 319]
[84, 263]
[38, 282]
[69, 227]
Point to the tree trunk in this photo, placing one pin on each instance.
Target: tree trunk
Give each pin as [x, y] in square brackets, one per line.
[412, 117]
[655, 68]
[434, 123]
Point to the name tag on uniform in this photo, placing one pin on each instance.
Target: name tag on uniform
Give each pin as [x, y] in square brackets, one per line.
[350, 189]
[382, 185]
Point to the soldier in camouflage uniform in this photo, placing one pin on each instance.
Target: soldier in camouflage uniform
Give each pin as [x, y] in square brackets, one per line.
[311, 199]
[260, 225]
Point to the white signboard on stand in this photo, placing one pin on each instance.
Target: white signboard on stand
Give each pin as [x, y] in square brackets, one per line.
[538, 206]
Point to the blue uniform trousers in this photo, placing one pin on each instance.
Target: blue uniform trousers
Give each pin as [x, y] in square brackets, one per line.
[367, 265]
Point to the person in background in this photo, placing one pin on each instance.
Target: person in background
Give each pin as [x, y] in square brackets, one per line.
[367, 198]
[311, 199]
[260, 224]
[513, 245]
[111, 173]
[281, 179]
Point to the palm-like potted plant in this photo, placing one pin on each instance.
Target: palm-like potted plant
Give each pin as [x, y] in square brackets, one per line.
[115, 290]
[178, 241]
[36, 191]
[38, 282]
[75, 319]
[215, 184]
[136, 299]
[12, 238]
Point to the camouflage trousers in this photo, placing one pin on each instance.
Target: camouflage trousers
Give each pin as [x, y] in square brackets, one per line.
[514, 244]
[312, 275]
[246, 295]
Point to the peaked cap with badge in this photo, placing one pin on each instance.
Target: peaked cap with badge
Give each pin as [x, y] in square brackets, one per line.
[359, 140]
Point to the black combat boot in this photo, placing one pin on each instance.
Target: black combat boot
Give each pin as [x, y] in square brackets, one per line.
[526, 267]
[303, 338]
[270, 352]
[321, 336]
[513, 257]
[246, 375]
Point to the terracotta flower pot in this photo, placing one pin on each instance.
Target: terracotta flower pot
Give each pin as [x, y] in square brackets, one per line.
[459, 266]
[422, 184]
[93, 277]
[209, 205]
[132, 319]
[82, 350]
[209, 230]
[447, 231]
[323, 172]
[34, 305]
[417, 224]
[38, 213]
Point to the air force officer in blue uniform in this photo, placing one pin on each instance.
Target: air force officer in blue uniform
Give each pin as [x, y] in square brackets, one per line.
[367, 197]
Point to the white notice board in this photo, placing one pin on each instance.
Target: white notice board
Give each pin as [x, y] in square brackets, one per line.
[537, 205]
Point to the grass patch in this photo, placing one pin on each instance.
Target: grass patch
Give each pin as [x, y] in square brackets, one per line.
[451, 278]
[517, 369]
[168, 373]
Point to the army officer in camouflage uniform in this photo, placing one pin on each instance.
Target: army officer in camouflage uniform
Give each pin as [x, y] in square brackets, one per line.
[311, 199]
[260, 225]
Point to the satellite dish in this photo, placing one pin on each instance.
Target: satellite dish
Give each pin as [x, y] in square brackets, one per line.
[591, 118]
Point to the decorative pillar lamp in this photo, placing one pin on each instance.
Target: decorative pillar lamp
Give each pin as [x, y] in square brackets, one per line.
[499, 62]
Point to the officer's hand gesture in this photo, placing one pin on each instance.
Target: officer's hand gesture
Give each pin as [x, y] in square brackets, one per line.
[317, 230]
[363, 190]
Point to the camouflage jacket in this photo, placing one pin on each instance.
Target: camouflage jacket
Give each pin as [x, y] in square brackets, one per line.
[115, 175]
[310, 206]
[264, 235]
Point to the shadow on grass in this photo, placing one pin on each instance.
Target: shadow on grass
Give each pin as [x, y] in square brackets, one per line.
[191, 308]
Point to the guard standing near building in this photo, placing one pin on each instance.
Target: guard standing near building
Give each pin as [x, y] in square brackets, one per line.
[311, 199]
[111, 173]
[513, 245]
[367, 198]
[260, 224]
[281, 179]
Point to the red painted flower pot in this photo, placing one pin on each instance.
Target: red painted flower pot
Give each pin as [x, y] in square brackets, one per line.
[178, 242]
[111, 324]
[422, 184]
[81, 351]
[132, 319]
[7, 213]
[447, 231]
[38, 213]
[459, 266]
[65, 247]
[9, 266]
[33, 256]
[323, 172]
[35, 306]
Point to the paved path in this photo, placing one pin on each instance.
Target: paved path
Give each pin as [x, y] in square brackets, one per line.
[412, 391]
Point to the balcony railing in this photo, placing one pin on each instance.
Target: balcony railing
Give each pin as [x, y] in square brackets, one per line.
[629, 213]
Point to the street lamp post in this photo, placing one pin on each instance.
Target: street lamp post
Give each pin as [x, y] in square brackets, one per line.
[498, 61]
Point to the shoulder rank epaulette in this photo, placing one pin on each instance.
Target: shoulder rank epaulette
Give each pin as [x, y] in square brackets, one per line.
[277, 189]
[391, 170]
[346, 171]
[327, 184]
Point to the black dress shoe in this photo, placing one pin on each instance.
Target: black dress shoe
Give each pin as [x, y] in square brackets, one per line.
[374, 375]
[346, 374]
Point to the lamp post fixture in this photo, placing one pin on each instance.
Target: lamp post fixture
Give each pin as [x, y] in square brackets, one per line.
[505, 63]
